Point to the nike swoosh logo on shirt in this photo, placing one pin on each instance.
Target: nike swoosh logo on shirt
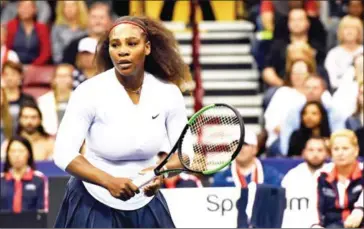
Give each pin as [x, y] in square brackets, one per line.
[154, 117]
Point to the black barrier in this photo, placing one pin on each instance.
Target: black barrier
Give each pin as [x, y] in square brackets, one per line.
[57, 188]
[23, 220]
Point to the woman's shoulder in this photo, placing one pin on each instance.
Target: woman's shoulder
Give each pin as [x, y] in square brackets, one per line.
[46, 97]
[163, 84]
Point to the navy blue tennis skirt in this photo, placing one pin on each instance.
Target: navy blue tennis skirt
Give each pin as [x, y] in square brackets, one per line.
[80, 210]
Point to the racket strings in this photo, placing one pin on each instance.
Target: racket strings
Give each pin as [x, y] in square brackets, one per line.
[213, 138]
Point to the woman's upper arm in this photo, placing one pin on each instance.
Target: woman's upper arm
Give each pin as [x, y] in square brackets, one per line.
[176, 116]
[74, 126]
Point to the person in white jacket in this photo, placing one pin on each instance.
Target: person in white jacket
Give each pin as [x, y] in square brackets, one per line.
[53, 104]
[300, 185]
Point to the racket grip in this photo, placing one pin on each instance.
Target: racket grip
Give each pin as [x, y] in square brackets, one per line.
[144, 179]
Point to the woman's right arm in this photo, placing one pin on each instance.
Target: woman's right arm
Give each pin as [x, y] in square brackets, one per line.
[72, 131]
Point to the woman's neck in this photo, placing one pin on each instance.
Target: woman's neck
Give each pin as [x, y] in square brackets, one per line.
[12, 94]
[346, 170]
[27, 22]
[132, 83]
[18, 173]
[350, 46]
[73, 24]
[316, 132]
[298, 38]
[90, 72]
[62, 94]
[245, 167]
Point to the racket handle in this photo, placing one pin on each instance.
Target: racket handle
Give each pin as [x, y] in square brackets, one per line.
[144, 179]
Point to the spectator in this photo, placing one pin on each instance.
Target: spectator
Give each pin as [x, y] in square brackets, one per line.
[30, 127]
[339, 59]
[6, 120]
[299, 67]
[314, 123]
[6, 54]
[246, 168]
[99, 22]
[23, 188]
[12, 76]
[340, 184]
[85, 66]
[298, 24]
[345, 97]
[354, 8]
[71, 23]
[273, 11]
[10, 11]
[315, 153]
[27, 37]
[314, 90]
[356, 120]
[53, 104]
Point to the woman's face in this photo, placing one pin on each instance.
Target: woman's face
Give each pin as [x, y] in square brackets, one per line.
[343, 152]
[18, 155]
[350, 34]
[11, 77]
[299, 73]
[63, 78]
[128, 49]
[70, 9]
[86, 60]
[26, 10]
[311, 116]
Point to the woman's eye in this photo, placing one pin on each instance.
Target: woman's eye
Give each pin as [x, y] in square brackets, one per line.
[114, 45]
[132, 44]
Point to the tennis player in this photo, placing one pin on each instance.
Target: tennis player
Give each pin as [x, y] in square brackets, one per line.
[124, 113]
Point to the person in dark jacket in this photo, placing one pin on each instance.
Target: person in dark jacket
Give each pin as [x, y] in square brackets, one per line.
[314, 123]
[22, 187]
[340, 184]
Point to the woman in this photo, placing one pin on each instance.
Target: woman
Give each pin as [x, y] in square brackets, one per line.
[299, 67]
[85, 64]
[340, 184]
[53, 104]
[142, 72]
[340, 58]
[22, 187]
[314, 123]
[27, 37]
[71, 23]
[6, 120]
[12, 76]
[356, 120]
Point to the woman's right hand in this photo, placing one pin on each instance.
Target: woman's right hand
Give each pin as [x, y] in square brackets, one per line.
[122, 188]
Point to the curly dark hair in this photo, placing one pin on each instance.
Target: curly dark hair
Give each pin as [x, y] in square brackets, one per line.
[164, 61]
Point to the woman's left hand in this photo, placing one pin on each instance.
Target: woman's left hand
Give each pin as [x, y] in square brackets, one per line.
[152, 188]
[354, 219]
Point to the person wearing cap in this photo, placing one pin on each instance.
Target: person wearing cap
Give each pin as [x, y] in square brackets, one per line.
[85, 61]
[124, 114]
[247, 168]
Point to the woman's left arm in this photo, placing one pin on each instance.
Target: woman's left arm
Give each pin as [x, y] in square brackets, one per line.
[44, 45]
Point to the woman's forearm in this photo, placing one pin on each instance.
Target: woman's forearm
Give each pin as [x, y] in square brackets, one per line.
[84, 170]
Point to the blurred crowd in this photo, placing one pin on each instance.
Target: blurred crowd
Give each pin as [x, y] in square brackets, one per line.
[311, 77]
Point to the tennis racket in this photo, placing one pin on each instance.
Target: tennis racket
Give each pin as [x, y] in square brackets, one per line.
[211, 139]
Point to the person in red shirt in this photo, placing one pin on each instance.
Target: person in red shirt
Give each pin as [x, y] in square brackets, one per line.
[27, 37]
